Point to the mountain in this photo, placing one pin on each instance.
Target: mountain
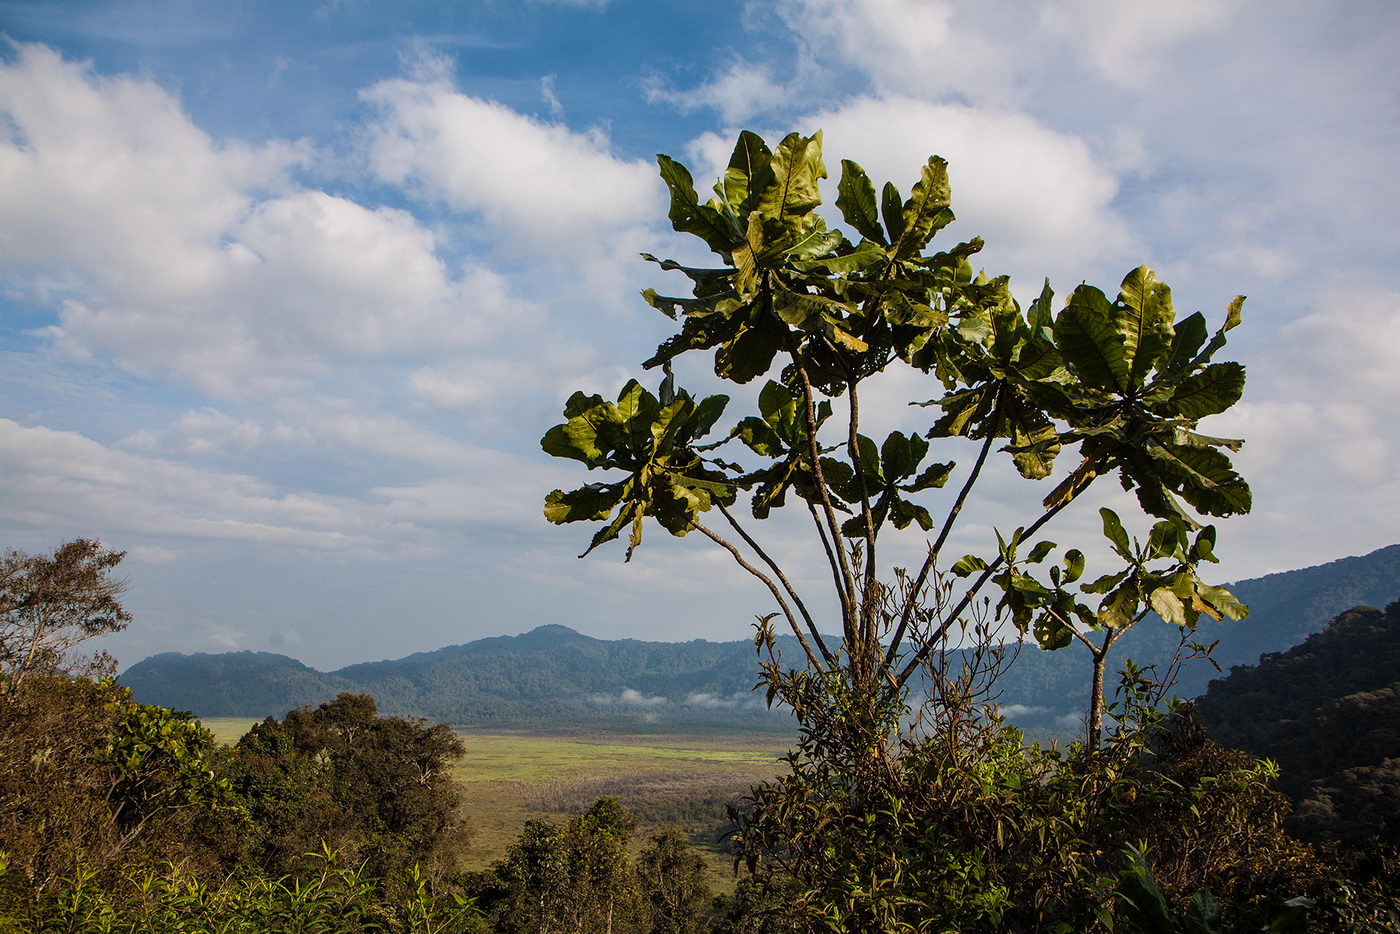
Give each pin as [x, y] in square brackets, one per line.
[555, 675]
[1328, 712]
[549, 674]
[1284, 609]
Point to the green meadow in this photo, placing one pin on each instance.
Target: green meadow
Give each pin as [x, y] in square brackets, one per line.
[666, 780]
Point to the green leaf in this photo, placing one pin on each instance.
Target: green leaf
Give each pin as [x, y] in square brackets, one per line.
[900, 455]
[1209, 392]
[588, 503]
[1144, 318]
[968, 565]
[892, 209]
[750, 173]
[796, 168]
[750, 352]
[933, 477]
[1074, 565]
[856, 201]
[1119, 607]
[1113, 531]
[688, 215]
[1091, 346]
[1039, 552]
[1050, 633]
[927, 211]
[1168, 606]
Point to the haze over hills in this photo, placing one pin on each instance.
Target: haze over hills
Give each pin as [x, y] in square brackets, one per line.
[554, 675]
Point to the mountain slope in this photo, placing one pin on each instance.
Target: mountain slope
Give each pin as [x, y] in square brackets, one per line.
[556, 675]
[1328, 711]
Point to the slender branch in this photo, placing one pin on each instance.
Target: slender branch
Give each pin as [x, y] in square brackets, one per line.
[867, 608]
[837, 540]
[967, 598]
[932, 558]
[782, 578]
[768, 582]
[826, 546]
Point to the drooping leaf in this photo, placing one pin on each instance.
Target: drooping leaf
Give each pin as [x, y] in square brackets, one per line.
[688, 215]
[856, 201]
[1113, 531]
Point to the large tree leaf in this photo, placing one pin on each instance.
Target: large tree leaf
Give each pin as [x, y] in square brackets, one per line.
[688, 215]
[1211, 391]
[1143, 315]
[749, 175]
[1089, 343]
[796, 169]
[927, 210]
[856, 201]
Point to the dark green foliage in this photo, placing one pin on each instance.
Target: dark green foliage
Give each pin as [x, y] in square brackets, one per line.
[577, 877]
[90, 778]
[375, 788]
[1329, 712]
[674, 884]
[144, 899]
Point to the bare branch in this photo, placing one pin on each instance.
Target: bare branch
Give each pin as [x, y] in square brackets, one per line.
[782, 578]
[768, 582]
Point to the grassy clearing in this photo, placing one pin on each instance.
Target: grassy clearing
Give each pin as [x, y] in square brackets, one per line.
[228, 730]
[680, 780]
[666, 780]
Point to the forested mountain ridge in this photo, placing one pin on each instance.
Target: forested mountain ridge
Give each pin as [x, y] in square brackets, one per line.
[1328, 711]
[554, 674]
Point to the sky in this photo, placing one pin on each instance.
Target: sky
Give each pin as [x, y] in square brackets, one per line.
[289, 292]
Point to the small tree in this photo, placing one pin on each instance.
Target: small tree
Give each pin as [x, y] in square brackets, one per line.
[50, 604]
[674, 883]
[1120, 381]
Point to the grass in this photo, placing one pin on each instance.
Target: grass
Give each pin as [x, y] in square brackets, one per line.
[682, 780]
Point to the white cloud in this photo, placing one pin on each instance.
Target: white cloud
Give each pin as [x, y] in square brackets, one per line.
[529, 178]
[1126, 42]
[62, 480]
[740, 92]
[1040, 198]
[173, 252]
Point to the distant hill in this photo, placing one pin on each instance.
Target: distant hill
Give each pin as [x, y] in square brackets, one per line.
[1328, 712]
[550, 674]
[555, 675]
[1285, 608]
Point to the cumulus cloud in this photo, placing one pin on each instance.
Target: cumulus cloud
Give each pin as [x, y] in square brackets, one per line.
[1040, 198]
[536, 180]
[171, 251]
[740, 92]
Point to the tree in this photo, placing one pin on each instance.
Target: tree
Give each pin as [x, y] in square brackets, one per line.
[674, 884]
[574, 878]
[50, 604]
[342, 776]
[1120, 381]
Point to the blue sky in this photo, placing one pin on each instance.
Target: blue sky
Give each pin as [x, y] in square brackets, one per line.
[291, 291]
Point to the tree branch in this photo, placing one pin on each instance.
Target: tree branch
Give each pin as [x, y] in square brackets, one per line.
[932, 558]
[768, 582]
[782, 578]
[967, 598]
